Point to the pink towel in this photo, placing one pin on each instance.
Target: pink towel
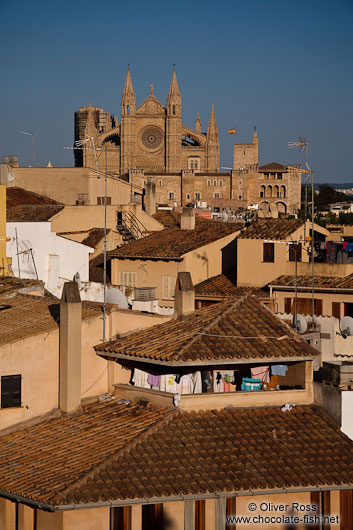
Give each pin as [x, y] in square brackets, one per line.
[261, 372]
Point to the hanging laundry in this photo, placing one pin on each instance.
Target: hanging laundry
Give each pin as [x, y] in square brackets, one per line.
[279, 369]
[322, 245]
[261, 372]
[185, 384]
[344, 246]
[154, 380]
[206, 381]
[217, 382]
[168, 384]
[331, 252]
[140, 378]
[196, 383]
[349, 247]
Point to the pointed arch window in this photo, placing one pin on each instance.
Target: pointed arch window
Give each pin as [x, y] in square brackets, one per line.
[128, 109]
[174, 110]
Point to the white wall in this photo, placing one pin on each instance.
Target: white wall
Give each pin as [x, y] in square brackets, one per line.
[56, 259]
[347, 416]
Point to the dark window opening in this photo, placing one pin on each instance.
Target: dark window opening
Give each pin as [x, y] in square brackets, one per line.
[200, 515]
[128, 109]
[348, 310]
[174, 109]
[269, 253]
[10, 391]
[100, 200]
[336, 309]
[152, 517]
[295, 252]
[120, 518]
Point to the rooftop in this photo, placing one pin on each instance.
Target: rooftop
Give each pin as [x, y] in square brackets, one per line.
[271, 229]
[173, 243]
[322, 282]
[18, 196]
[235, 331]
[23, 315]
[113, 452]
[222, 286]
[272, 166]
[32, 213]
[11, 284]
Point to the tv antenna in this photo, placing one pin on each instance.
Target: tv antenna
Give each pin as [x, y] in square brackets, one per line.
[33, 151]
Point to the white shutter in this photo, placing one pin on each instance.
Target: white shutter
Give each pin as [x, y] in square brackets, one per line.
[168, 287]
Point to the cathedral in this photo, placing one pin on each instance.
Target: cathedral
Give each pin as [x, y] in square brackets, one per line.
[150, 137]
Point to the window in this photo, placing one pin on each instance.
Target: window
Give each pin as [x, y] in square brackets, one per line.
[283, 191]
[269, 253]
[197, 196]
[287, 305]
[127, 282]
[152, 517]
[220, 183]
[304, 306]
[188, 196]
[193, 163]
[160, 183]
[215, 182]
[144, 182]
[200, 523]
[336, 309]
[295, 252]
[100, 200]
[216, 195]
[10, 391]
[174, 109]
[239, 197]
[208, 183]
[168, 287]
[171, 195]
[120, 518]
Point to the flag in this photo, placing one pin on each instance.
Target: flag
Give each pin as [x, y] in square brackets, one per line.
[231, 131]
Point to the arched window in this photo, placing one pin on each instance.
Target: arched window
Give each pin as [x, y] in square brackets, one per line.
[188, 196]
[128, 109]
[160, 183]
[262, 191]
[209, 183]
[216, 195]
[269, 191]
[220, 183]
[197, 196]
[174, 110]
[276, 190]
[215, 182]
[171, 195]
[193, 163]
[283, 191]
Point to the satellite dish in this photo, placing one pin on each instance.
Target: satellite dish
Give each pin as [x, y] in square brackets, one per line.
[346, 327]
[301, 324]
[115, 296]
[10, 177]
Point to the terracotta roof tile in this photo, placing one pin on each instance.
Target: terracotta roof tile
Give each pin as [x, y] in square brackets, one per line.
[224, 287]
[94, 237]
[32, 213]
[322, 282]
[24, 315]
[240, 330]
[173, 243]
[10, 284]
[271, 229]
[272, 166]
[113, 452]
[18, 196]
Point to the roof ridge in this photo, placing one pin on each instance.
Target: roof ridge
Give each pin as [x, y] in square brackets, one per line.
[213, 322]
[169, 414]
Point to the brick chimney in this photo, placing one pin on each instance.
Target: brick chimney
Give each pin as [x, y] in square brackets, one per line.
[187, 219]
[70, 348]
[184, 296]
[150, 197]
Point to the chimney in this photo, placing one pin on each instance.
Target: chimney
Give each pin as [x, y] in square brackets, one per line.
[70, 348]
[187, 219]
[184, 296]
[150, 197]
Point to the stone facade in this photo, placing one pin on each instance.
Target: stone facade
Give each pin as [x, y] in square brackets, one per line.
[149, 137]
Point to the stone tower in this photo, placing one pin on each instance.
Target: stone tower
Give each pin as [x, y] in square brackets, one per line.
[212, 144]
[128, 123]
[90, 139]
[173, 127]
[246, 155]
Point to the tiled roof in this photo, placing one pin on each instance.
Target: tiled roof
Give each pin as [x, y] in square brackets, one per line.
[32, 213]
[223, 286]
[322, 282]
[42, 462]
[232, 331]
[112, 452]
[22, 316]
[271, 229]
[173, 243]
[10, 284]
[272, 166]
[95, 235]
[18, 196]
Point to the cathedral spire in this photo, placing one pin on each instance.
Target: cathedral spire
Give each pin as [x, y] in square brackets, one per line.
[174, 89]
[212, 130]
[128, 99]
[174, 98]
[198, 123]
[90, 129]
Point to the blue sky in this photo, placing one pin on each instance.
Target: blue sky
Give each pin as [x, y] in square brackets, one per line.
[284, 66]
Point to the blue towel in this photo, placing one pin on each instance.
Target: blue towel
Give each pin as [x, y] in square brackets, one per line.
[279, 369]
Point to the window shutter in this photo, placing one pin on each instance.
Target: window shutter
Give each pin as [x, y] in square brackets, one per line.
[336, 309]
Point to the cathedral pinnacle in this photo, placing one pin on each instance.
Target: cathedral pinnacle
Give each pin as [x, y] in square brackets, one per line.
[212, 124]
[198, 123]
[174, 89]
[128, 90]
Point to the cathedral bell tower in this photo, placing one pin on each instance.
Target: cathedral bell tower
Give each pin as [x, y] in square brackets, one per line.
[128, 125]
[212, 144]
[173, 127]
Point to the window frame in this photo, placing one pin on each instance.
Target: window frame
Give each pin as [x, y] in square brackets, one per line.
[8, 400]
[268, 256]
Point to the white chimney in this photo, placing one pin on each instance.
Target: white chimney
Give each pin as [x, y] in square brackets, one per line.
[187, 219]
[184, 296]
